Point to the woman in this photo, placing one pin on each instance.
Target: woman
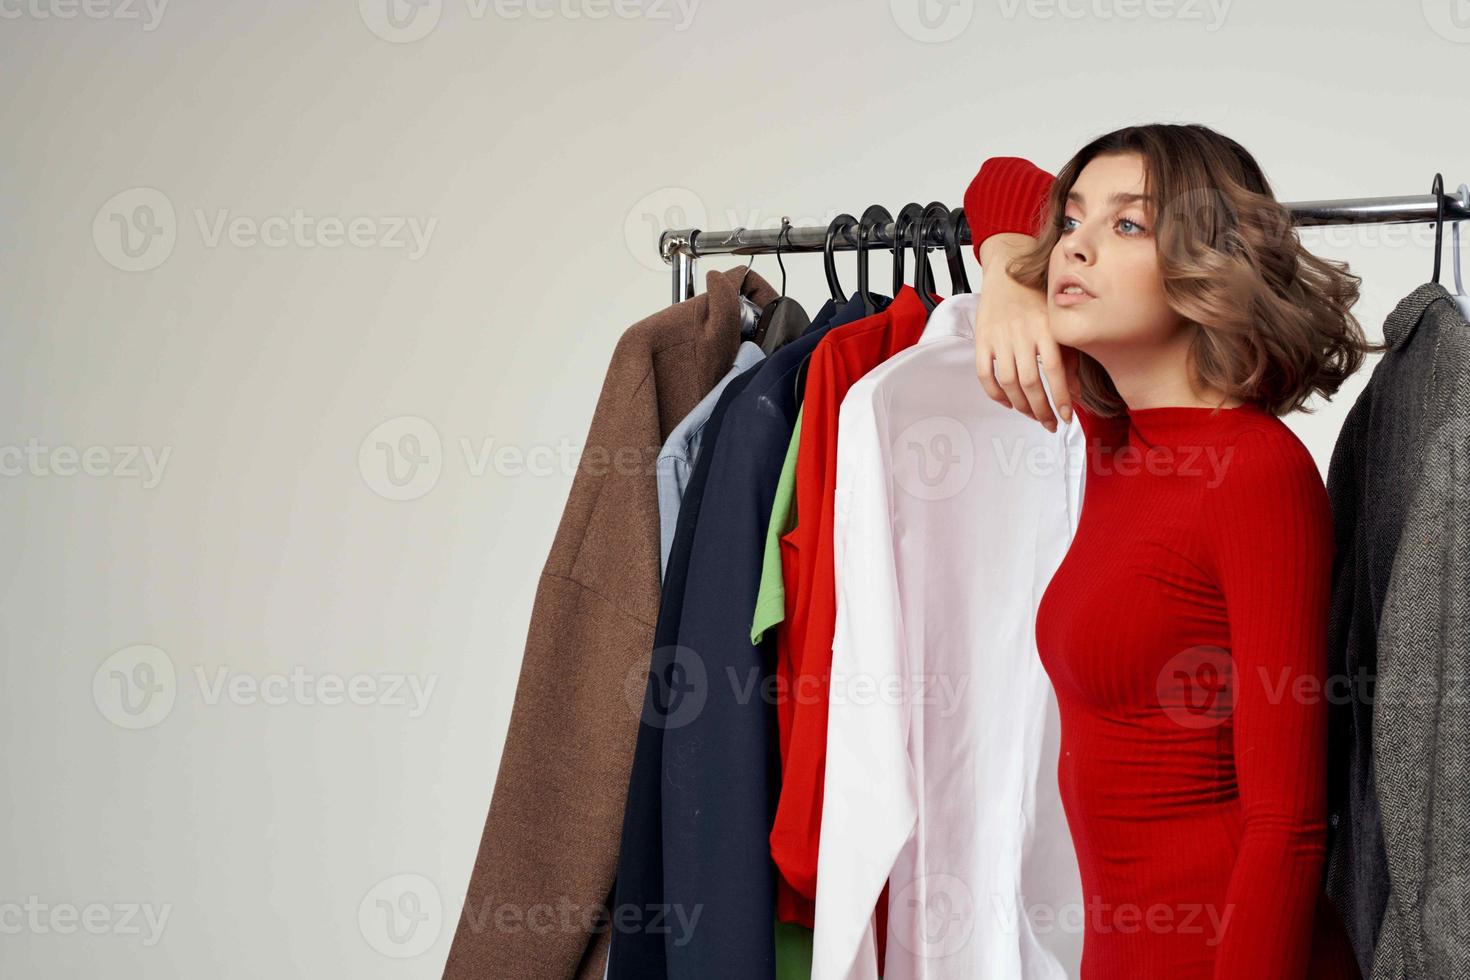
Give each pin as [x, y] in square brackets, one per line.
[1168, 301]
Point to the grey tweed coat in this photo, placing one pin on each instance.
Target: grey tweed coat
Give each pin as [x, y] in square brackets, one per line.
[1398, 868]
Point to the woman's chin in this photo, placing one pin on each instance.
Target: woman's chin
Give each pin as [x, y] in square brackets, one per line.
[1070, 327]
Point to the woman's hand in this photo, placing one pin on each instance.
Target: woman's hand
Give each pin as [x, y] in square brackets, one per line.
[1013, 342]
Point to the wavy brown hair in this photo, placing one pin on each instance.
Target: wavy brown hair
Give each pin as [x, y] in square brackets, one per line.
[1274, 321]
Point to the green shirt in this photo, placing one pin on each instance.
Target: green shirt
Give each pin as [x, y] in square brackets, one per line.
[793, 951]
[770, 599]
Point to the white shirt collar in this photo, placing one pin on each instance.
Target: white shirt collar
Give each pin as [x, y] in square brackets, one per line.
[955, 317]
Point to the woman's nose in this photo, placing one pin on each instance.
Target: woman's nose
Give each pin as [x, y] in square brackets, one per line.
[1079, 244]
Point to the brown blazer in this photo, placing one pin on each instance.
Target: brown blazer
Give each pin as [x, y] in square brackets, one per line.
[537, 898]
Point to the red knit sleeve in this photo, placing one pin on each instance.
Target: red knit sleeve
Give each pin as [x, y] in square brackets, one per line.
[1083, 416]
[1008, 194]
[1270, 541]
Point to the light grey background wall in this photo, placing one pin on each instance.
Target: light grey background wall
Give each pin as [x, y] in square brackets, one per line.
[304, 308]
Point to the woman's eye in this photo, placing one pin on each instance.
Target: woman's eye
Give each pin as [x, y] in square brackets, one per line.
[1129, 227]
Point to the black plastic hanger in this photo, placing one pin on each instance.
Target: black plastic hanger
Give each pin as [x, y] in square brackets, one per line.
[783, 319]
[959, 279]
[843, 223]
[923, 271]
[875, 216]
[935, 216]
[906, 220]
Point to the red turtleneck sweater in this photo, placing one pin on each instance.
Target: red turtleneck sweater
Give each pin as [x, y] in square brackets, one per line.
[1185, 636]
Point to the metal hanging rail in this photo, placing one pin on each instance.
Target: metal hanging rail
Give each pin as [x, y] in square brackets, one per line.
[680, 247]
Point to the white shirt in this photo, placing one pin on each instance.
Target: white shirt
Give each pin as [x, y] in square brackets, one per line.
[951, 514]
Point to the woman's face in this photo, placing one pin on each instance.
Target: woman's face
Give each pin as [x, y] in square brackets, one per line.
[1107, 248]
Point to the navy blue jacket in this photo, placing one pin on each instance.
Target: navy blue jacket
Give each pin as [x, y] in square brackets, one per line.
[638, 953]
[720, 765]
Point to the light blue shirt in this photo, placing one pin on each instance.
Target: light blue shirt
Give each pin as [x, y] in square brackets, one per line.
[681, 450]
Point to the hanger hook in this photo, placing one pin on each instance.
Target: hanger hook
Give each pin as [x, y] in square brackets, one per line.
[843, 223]
[1437, 189]
[785, 231]
[1464, 201]
[875, 215]
[730, 238]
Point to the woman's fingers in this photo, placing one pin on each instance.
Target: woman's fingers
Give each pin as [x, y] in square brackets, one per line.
[1012, 334]
[985, 370]
[1029, 375]
[1007, 375]
[1054, 366]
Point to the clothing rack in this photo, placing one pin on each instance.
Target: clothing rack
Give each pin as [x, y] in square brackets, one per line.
[680, 247]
